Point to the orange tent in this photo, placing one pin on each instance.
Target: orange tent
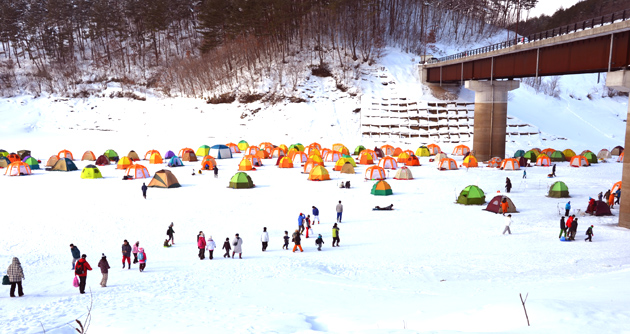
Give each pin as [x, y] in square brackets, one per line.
[311, 151]
[324, 151]
[447, 164]
[124, 163]
[266, 145]
[548, 151]
[510, 164]
[337, 146]
[156, 158]
[13, 157]
[388, 149]
[365, 158]
[245, 165]
[137, 172]
[461, 150]
[470, 162]
[208, 160]
[434, 149]
[262, 154]
[579, 161]
[181, 152]
[277, 153]
[620, 158]
[397, 152]
[149, 153]
[344, 150]
[256, 162]
[63, 154]
[375, 173]
[310, 163]
[292, 153]
[233, 147]
[332, 156]
[299, 158]
[412, 161]
[251, 150]
[18, 168]
[543, 160]
[388, 163]
[285, 162]
[89, 156]
[494, 162]
[318, 173]
[615, 186]
[402, 157]
[315, 145]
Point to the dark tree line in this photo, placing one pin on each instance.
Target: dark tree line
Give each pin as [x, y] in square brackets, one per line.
[203, 47]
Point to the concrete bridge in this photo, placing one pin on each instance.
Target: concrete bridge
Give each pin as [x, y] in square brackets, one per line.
[593, 46]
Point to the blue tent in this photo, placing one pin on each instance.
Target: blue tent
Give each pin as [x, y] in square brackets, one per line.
[175, 162]
[220, 152]
[169, 154]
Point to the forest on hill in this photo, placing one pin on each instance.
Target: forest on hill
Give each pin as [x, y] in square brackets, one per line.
[209, 48]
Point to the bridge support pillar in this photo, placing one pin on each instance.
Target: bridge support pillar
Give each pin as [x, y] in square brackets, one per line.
[490, 116]
[620, 80]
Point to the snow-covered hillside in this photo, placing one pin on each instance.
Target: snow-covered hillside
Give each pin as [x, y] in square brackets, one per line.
[428, 266]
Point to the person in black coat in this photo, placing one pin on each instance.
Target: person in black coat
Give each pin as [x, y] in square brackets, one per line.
[573, 229]
[227, 247]
[216, 171]
[170, 233]
[563, 228]
[126, 254]
[508, 184]
[144, 190]
[589, 233]
[553, 170]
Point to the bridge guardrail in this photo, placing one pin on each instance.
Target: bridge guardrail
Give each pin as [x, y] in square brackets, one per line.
[623, 15]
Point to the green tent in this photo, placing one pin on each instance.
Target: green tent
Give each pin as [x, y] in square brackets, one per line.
[3, 153]
[241, 180]
[519, 154]
[358, 149]
[91, 172]
[471, 195]
[591, 157]
[349, 159]
[557, 156]
[297, 146]
[559, 189]
[111, 154]
[381, 188]
[203, 150]
[531, 155]
[32, 162]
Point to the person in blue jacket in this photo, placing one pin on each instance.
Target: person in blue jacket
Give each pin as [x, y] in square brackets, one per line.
[315, 214]
[567, 208]
[76, 254]
[301, 223]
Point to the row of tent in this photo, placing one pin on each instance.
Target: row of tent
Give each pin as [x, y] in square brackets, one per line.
[566, 155]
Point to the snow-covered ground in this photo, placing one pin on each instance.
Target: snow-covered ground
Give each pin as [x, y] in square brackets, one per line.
[429, 266]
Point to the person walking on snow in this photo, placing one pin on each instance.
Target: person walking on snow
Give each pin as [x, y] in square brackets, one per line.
[76, 254]
[81, 270]
[611, 200]
[216, 171]
[573, 229]
[210, 246]
[144, 190]
[134, 251]
[504, 206]
[617, 196]
[339, 210]
[553, 170]
[170, 233]
[567, 208]
[315, 215]
[264, 238]
[335, 235]
[237, 246]
[297, 240]
[226, 246]
[301, 222]
[508, 184]
[104, 265]
[599, 196]
[319, 242]
[308, 225]
[16, 275]
[126, 254]
[563, 228]
[508, 222]
[142, 258]
[201, 244]
[286, 240]
[524, 174]
[589, 233]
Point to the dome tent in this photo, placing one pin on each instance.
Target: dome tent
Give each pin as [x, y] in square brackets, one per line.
[471, 195]
[203, 150]
[101, 161]
[137, 172]
[32, 162]
[164, 179]
[358, 149]
[91, 172]
[381, 188]
[134, 156]
[318, 173]
[558, 190]
[241, 180]
[557, 156]
[4, 162]
[495, 204]
[175, 162]
[209, 161]
[89, 156]
[591, 157]
[65, 165]
[347, 168]
[403, 173]
[111, 155]
[18, 168]
[617, 150]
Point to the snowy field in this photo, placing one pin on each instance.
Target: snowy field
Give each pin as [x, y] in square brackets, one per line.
[428, 266]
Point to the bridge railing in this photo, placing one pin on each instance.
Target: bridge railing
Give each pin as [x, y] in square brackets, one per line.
[623, 15]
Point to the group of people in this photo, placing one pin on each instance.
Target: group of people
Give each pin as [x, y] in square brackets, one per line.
[610, 197]
[568, 228]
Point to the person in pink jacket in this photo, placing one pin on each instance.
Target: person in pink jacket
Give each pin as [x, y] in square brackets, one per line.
[201, 244]
[134, 250]
[142, 258]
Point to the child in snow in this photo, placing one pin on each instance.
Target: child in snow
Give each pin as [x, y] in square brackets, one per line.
[286, 240]
[589, 233]
[319, 242]
[227, 247]
[508, 222]
[134, 251]
[308, 225]
[104, 265]
[210, 246]
[142, 258]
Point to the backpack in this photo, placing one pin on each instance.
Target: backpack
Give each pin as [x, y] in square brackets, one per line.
[78, 269]
[141, 256]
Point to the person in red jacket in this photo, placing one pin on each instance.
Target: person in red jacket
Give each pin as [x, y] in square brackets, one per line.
[80, 270]
[201, 244]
